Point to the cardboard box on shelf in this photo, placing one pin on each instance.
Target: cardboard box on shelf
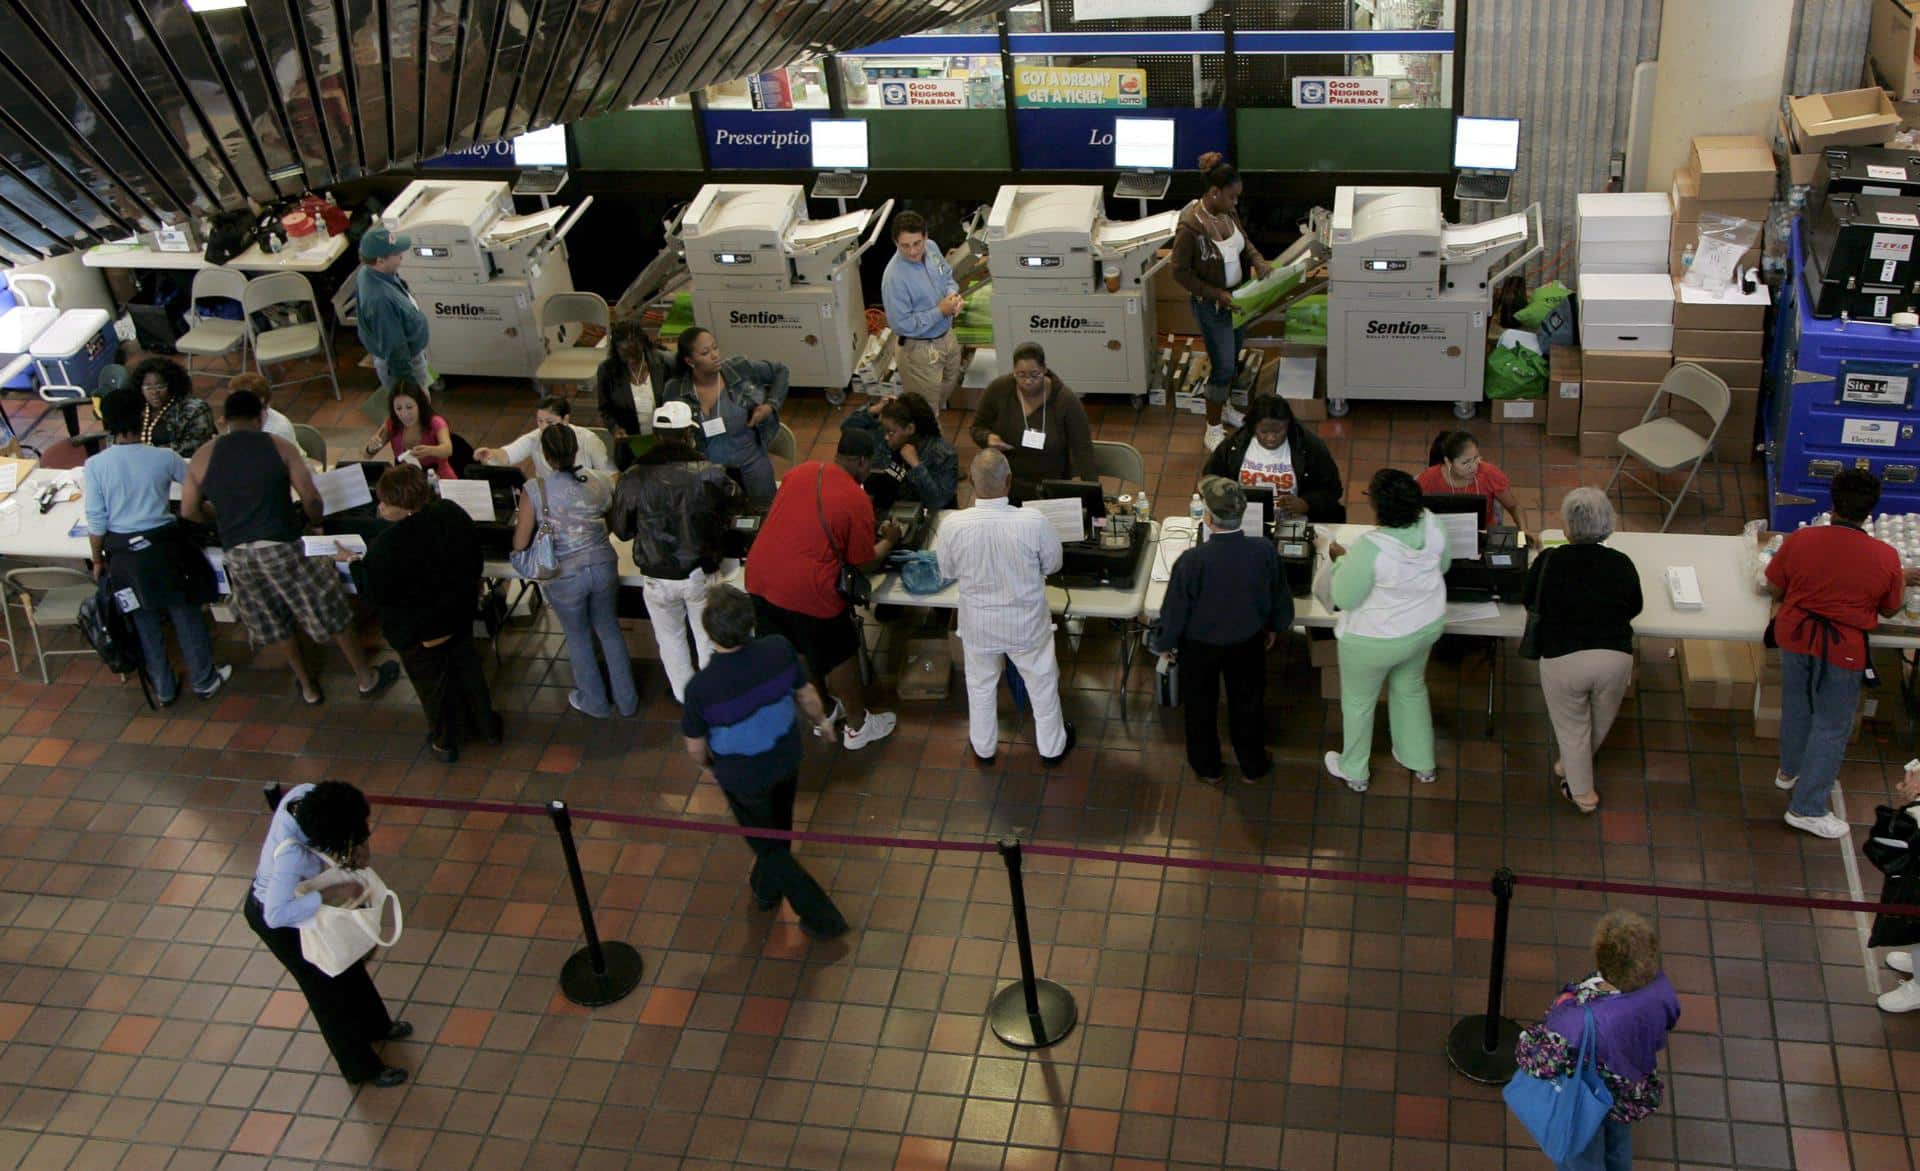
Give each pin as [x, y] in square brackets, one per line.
[1731, 309]
[1687, 204]
[1625, 365]
[1296, 374]
[1854, 117]
[1732, 166]
[1798, 165]
[1691, 344]
[1635, 337]
[1718, 676]
[1890, 44]
[1598, 444]
[926, 669]
[1563, 391]
[1610, 420]
[1602, 395]
[1737, 373]
[1520, 410]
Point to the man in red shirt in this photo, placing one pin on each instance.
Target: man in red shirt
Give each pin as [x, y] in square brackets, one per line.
[1833, 583]
[820, 519]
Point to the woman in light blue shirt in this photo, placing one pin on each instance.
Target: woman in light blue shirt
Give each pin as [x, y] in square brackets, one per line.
[316, 828]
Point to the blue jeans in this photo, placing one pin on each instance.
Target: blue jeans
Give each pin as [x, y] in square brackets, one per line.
[743, 452]
[196, 647]
[1610, 1150]
[1223, 344]
[585, 598]
[1817, 703]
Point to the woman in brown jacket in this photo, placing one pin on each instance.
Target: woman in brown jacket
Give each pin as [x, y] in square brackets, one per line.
[1031, 417]
[1212, 253]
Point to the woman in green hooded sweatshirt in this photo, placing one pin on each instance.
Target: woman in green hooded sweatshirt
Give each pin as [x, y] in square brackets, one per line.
[1392, 597]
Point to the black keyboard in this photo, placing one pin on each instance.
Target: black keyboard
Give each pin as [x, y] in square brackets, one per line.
[1484, 188]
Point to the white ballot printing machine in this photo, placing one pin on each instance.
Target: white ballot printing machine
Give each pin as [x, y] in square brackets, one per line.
[481, 273]
[1409, 296]
[1078, 284]
[774, 285]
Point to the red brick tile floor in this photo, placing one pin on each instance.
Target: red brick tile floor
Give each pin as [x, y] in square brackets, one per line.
[1225, 1020]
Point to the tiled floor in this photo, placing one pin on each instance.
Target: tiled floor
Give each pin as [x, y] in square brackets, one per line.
[1225, 1021]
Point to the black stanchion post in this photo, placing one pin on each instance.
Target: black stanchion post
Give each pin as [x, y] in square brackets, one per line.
[596, 974]
[1034, 1013]
[1481, 1046]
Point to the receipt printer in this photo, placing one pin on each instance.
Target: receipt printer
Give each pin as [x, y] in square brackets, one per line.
[1499, 574]
[1293, 537]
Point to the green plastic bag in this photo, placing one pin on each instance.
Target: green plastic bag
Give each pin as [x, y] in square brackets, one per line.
[1307, 321]
[1542, 302]
[1516, 372]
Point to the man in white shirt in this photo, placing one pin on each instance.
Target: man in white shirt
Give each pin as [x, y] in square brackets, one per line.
[1001, 556]
[526, 449]
[271, 421]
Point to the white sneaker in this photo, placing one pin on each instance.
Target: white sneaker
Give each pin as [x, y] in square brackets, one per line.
[1333, 766]
[1783, 781]
[838, 713]
[1216, 434]
[1905, 998]
[1825, 826]
[878, 727]
[1232, 416]
[1900, 961]
[1425, 778]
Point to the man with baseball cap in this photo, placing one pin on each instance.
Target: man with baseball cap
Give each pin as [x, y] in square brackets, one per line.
[392, 327]
[1227, 603]
[673, 504]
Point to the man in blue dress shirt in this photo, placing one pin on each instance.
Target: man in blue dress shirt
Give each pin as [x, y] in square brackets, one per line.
[922, 300]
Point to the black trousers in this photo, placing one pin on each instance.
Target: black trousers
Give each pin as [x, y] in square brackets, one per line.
[347, 1007]
[776, 873]
[1243, 665]
[453, 690]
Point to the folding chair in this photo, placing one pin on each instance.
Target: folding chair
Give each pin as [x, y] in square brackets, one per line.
[284, 343]
[1664, 444]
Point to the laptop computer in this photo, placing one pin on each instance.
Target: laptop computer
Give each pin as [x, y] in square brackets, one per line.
[542, 159]
[1486, 153]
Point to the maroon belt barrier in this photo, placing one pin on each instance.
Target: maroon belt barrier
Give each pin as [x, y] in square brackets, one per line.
[1037, 1012]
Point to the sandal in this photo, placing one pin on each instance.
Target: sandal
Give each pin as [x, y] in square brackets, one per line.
[1560, 769]
[1575, 801]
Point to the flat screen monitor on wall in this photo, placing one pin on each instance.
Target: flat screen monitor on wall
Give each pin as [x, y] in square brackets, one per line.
[542, 148]
[1143, 144]
[839, 144]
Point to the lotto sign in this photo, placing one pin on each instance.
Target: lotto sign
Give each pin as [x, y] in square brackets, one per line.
[1058, 86]
[1325, 92]
[924, 93]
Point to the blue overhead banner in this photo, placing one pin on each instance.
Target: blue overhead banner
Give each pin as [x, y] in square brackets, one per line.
[1082, 140]
[487, 155]
[756, 140]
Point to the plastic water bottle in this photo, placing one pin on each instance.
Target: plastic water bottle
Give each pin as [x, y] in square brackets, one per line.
[1196, 509]
[1142, 508]
[1686, 258]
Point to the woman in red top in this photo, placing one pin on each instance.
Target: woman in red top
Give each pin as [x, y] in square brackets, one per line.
[414, 428]
[1456, 469]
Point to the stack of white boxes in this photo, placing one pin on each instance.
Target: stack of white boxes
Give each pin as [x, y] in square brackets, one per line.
[1626, 337]
[1626, 327]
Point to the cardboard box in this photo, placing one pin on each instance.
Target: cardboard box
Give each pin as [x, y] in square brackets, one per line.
[1798, 165]
[1687, 204]
[1171, 316]
[1676, 255]
[1598, 445]
[1718, 676]
[1625, 299]
[1854, 117]
[1601, 395]
[1692, 344]
[1892, 47]
[1737, 373]
[1563, 391]
[1638, 337]
[1610, 420]
[1624, 365]
[1732, 309]
[1323, 652]
[1732, 166]
[926, 669]
[1520, 410]
[1330, 682]
[1296, 374]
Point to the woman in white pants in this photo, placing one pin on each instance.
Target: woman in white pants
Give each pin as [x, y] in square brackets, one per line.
[1584, 597]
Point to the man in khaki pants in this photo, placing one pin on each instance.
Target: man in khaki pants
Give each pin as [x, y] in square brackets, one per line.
[922, 298]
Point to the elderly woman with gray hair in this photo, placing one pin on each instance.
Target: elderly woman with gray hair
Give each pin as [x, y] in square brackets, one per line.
[1584, 597]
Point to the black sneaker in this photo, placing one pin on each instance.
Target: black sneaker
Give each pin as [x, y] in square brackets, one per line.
[1054, 761]
[399, 1031]
[384, 676]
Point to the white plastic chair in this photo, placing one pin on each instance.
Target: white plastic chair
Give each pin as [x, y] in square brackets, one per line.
[213, 337]
[571, 363]
[49, 596]
[284, 343]
[1665, 444]
[785, 446]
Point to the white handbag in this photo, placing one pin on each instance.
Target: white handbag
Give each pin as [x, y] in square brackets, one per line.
[336, 938]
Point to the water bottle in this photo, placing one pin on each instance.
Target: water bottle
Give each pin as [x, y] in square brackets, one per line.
[1197, 512]
[1686, 258]
[1142, 508]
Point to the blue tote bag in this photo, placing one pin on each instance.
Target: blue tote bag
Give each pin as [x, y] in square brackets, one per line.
[1564, 1113]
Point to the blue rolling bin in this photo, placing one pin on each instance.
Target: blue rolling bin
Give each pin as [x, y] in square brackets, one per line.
[1840, 395]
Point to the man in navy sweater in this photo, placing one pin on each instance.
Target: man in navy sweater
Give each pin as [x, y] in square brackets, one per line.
[1227, 602]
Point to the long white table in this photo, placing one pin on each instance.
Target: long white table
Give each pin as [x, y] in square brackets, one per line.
[1117, 602]
[314, 258]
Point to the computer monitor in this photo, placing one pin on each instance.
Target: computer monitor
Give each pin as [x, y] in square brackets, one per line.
[839, 144]
[1092, 498]
[1486, 144]
[1143, 144]
[541, 148]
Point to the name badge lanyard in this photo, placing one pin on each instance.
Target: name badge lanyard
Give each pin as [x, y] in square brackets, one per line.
[1036, 440]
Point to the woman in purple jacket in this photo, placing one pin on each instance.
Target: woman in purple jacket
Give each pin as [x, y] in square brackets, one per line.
[1634, 1008]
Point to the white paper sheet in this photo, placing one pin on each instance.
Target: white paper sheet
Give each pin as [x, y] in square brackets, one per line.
[1254, 521]
[10, 518]
[1068, 517]
[341, 489]
[322, 545]
[1463, 534]
[473, 495]
[818, 233]
[1473, 239]
[9, 477]
[1472, 611]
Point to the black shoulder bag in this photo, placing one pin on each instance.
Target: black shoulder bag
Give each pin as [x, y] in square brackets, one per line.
[853, 586]
[1530, 637]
